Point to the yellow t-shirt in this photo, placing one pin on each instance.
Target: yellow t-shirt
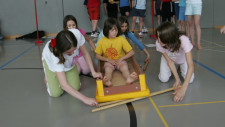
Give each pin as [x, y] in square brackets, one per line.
[113, 48]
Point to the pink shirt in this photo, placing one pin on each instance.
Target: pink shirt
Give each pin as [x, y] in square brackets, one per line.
[178, 57]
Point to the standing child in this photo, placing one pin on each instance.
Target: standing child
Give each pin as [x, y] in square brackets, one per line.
[94, 12]
[111, 8]
[124, 25]
[125, 7]
[193, 12]
[176, 49]
[156, 6]
[138, 10]
[70, 22]
[114, 49]
[183, 20]
[60, 73]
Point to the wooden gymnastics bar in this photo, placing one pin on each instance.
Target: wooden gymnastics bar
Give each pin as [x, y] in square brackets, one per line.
[120, 102]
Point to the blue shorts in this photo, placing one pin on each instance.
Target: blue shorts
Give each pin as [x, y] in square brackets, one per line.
[193, 9]
[182, 15]
[138, 12]
[176, 7]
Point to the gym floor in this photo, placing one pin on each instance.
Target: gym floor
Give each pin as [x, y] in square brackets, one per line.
[24, 101]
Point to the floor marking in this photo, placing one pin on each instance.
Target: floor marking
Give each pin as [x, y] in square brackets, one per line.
[213, 43]
[160, 115]
[210, 69]
[16, 57]
[213, 50]
[192, 104]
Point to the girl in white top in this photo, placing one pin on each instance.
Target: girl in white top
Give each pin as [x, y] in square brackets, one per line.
[176, 49]
[60, 72]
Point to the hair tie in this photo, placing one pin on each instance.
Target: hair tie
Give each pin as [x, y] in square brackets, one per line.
[53, 42]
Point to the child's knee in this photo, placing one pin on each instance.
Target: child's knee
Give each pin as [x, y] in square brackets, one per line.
[55, 93]
[163, 78]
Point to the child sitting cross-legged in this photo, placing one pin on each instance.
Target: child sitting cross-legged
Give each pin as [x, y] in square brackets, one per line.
[114, 49]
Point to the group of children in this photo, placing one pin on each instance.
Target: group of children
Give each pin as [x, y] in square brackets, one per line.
[187, 12]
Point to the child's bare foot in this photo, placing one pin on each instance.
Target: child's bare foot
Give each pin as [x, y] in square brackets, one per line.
[106, 81]
[132, 77]
[199, 46]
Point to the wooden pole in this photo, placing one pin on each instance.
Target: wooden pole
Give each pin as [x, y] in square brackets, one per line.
[120, 102]
[146, 65]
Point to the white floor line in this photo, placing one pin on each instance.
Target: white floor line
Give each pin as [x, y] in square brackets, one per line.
[213, 43]
[214, 50]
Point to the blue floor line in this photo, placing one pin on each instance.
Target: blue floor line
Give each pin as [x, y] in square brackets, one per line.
[222, 76]
[17, 57]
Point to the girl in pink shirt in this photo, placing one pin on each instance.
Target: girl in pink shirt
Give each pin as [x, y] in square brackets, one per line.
[176, 49]
[70, 22]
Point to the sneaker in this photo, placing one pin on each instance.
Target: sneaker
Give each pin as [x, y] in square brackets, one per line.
[144, 30]
[140, 34]
[1, 37]
[94, 34]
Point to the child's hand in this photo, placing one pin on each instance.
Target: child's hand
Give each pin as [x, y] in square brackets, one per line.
[179, 94]
[113, 62]
[97, 75]
[119, 61]
[91, 102]
[222, 30]
[147, 59]
[176, 85]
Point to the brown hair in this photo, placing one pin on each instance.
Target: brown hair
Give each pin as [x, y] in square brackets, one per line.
[121, 21]
[65, 40]
[109, 24]
[68, 18]
[169, 35]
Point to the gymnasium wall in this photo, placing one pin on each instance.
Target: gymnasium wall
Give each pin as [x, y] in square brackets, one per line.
[17, 17]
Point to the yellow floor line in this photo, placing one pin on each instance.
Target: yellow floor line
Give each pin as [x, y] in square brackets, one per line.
[192, 104]
[159, 113]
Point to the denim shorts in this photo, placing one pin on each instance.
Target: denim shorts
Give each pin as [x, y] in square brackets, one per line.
[193, 9]
[138, 12]
[182, 15]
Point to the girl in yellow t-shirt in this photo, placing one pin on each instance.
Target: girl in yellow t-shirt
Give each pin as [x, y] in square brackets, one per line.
[114, 49]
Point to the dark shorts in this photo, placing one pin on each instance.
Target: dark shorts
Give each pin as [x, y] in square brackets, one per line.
[138, 12]
[123, 10]
[157, 12]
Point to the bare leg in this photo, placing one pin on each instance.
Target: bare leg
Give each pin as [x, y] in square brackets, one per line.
[158, 19]
[94, 24]
[191, 29]
[141, 23]
[107, 80]
[187, 29]
[133, 23]
[126, 73]
[198, 30]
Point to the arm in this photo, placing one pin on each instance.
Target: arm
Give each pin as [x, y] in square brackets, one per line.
[140, 45]
[173, 69]
[89, 62]
[99, 57]
[91, 43]
[105, 8]
[73, 92]
[128, 55]
[179, 93]
[154, 8]
[132, 3]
